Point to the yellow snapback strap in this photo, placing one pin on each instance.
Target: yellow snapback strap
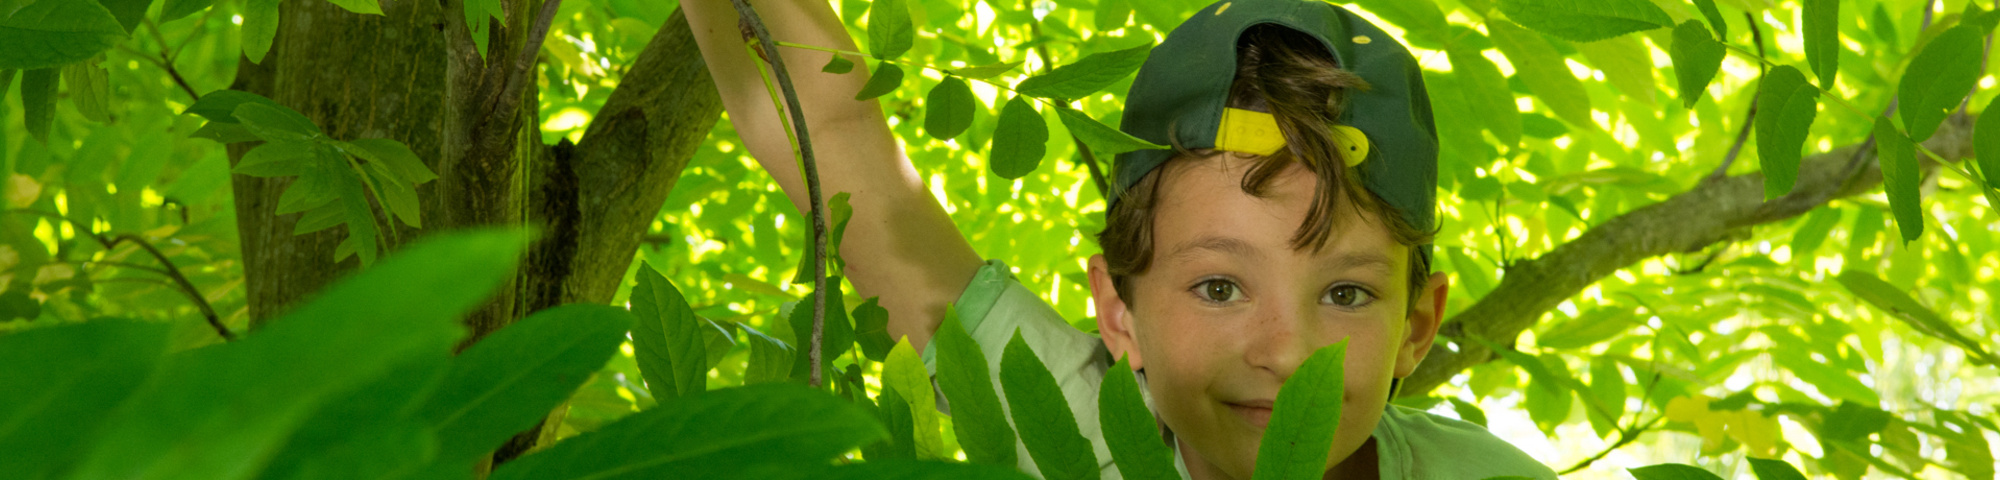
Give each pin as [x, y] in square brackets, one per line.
[1257, 133]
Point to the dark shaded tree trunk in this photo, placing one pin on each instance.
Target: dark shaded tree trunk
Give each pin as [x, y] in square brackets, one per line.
[413, 75]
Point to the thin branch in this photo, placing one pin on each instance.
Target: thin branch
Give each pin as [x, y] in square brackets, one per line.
[749, 17]
[510, 94]
[1096, 172]
[166, 60]
[1625, 437]
[172, 272]
[1743, 134]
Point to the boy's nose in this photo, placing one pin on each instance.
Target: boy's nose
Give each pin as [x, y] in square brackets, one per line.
[1279, 340]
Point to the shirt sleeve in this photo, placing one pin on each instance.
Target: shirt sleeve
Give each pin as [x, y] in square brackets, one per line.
[1418, 445]
[993, 307]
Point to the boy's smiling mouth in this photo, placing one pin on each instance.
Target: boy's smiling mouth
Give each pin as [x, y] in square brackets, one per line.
[1257, 413]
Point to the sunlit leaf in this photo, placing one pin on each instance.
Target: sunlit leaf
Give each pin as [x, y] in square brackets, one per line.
[1900, 178]
[1043, 416]
[1586, 20]
[1821, 19]
[1019, 142]
[885, 79]
[1304, 418]
[890, 32]
[1697, 57]
[667, 338]
[964, 377]
[1538, 65]
[1986, 143]
[1714, 16]
[1774, 470]
[904, 371]
[949, 109]
[1102, 139]
[1084, 77]
[1786, 105]
[1938, 78]
[1672, 471]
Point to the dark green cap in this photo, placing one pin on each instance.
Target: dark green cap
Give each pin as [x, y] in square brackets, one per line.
[1181, 91]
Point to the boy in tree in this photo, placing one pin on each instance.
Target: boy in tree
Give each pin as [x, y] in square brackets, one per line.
[1294, 211]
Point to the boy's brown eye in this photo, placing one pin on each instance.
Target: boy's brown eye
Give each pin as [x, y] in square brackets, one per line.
[1348, 296]
[1219, 291]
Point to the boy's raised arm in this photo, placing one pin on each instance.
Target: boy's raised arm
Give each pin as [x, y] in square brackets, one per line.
[899, 245]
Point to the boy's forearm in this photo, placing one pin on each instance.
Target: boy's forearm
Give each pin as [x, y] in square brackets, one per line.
[900, 245]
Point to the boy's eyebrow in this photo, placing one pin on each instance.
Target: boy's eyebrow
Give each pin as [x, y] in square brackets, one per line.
[1214, 243]
[1364, 260]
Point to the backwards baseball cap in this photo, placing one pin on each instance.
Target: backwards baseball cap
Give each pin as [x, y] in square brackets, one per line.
[1385, 131]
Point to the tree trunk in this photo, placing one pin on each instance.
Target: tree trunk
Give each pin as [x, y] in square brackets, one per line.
[413, 75]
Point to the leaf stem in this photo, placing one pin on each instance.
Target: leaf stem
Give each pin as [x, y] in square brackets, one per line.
[803, 142]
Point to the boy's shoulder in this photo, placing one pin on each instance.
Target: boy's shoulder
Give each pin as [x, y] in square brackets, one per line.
[1425, 446]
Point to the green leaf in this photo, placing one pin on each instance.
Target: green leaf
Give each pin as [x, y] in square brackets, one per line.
[1715, 21]
[895, 413]
[1774, 470]
[1304, 418]
[1420, 18]
[1102, 139]
[225, 133]
[988, 71]
[1672, 471]
[394, 155]
[1834, 382]
[1129, 427]
[1607, 388]
[260, 28]
[717, 338]
[1786, 105]
[144, 166]
[1486, 93]
[708, 435]
[364, 7]
[948, 109]
[58, 381]
[1586, 20]
[770, 359]
[220, 106]
[1851, 421]
[1112, 14]
[1822, 38]
[1986, 143]
[176, 9]
[369, 431]
[1586, 330]
[1883, 26]
[896, 469]
[214, 412]
[1020, 141]
[837, 333]
[511, 379]
[277, 159]
[667, 339]
[1042, 415]
[1626, 63]
[38, 100]
[890, 32]
[1899, 305]
[361, 231]
[478, 21]
[871, 329]
[314, 187]
[1813, 233]
[1900, 178]
[904, 372]
[885, 79]
[963, 376]
[276, 123]
[89, 89]
[48, 34]
[1084, 77]
[322, 218]
[1938, 78]
[1468, 412]
[838, 65]
[1697, 57]
[1545, 72]
[397, 196]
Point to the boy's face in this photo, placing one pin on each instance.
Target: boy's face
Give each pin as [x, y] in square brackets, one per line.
[1228, 310]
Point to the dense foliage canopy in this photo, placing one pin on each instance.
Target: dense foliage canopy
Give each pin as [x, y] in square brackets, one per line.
[1678, 231]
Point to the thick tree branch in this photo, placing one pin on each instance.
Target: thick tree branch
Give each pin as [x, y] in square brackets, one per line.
[811, 167]
[1708, 213]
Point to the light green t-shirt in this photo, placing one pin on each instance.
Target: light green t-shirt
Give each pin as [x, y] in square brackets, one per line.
[1411, 444]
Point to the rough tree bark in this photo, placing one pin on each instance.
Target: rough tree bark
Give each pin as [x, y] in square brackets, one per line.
[413, 75]
[1713, 211]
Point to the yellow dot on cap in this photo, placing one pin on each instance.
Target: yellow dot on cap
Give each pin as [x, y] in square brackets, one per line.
[1362, 39]
[1224, 8]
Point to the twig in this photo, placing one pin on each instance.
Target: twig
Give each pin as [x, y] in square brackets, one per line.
[1625, 437]
[1096, 172]
[811, 166]
[1750, 118]
[509, 96]
[172, 272]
